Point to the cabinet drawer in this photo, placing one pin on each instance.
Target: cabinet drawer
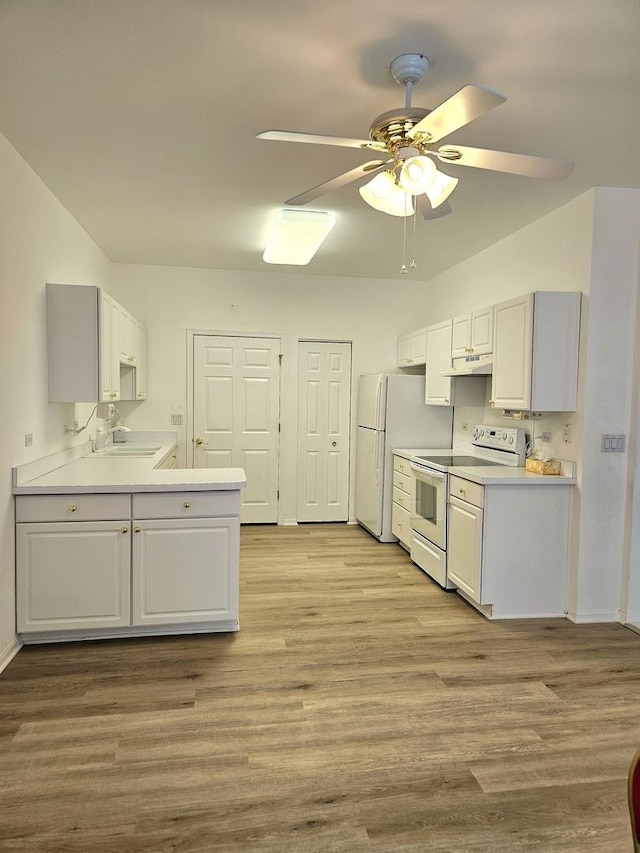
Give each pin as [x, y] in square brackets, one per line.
[473, 493]
[402, 499]
[402, 481]
[403, 466]
[186, 504]
[72, 507]
[401, 524]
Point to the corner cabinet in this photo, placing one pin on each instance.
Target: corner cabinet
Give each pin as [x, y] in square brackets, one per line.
[535, 357]
[91, 566]
[412, 349]
[92, 339]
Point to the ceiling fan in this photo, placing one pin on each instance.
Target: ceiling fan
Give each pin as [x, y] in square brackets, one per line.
[409, 139]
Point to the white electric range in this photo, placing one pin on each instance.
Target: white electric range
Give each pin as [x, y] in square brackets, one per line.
[490, 446]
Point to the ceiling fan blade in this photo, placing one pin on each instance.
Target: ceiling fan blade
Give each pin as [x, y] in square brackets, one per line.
[320, 139]
[361, 171]
[429, 212]
[503, 161]
[466, 104]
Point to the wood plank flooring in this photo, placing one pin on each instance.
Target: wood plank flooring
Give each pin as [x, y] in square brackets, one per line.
[360, 708]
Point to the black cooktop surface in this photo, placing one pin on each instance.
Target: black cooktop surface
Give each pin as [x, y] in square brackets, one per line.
[448, 461]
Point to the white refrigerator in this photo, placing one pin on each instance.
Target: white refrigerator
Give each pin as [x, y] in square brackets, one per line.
[391, 414]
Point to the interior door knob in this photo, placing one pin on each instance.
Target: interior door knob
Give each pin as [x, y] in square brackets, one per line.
[199, 440]
[334, 444]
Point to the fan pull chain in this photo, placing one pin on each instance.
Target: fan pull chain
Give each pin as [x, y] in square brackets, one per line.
[414, 265]
[403, 268]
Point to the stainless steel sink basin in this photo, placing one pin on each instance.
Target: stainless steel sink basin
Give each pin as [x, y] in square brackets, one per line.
[131, 450]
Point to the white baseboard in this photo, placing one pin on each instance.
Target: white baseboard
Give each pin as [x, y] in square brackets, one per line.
[290, 522]
[589, 616]
[8, 654]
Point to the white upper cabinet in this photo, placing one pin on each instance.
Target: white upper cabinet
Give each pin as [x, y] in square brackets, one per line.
[437, 386]
[473, 333]
[85, 328]
[412, 348]
[535, 358]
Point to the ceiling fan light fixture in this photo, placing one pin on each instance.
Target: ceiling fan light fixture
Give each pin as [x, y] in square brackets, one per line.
[417, 174]
[296, 235]
[382, 193]
[441, 188]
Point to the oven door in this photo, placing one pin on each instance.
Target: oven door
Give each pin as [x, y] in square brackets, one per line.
[429, 509]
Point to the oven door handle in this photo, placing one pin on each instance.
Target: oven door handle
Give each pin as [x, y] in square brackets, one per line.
[436, 475]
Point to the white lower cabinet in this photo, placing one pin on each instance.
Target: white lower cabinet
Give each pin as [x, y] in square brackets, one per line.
[73, 575]
[508, 546]
[402, 497]
[180, 570]
[465, 546]
[163, 559]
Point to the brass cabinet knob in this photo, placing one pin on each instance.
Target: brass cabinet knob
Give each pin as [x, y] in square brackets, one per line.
[186, 504]
[124, 530]
[73, 508]
[136, 530]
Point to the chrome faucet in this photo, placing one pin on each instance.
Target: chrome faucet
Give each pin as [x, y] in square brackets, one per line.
[119, 434]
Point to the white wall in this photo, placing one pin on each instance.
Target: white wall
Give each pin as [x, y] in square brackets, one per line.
[39, 242]
[370, 313]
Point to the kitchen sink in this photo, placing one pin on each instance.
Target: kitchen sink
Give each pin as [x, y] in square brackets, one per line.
[131, 450]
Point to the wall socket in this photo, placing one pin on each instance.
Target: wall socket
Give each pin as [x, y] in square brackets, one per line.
[464, 427]
[566, 433]
[28, 439]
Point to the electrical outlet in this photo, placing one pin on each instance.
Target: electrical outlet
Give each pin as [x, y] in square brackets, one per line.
[28, 439]
[566, 433]
[546, 436]
[464, 427]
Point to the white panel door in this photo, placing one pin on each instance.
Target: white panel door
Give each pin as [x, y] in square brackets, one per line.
[236, 415]
[324, 397]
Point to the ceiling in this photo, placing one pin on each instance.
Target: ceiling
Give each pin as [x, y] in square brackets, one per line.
[141, 115]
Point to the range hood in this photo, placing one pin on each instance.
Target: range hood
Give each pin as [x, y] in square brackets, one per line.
[472, 365]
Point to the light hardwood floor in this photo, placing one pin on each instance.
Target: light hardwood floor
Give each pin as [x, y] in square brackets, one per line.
[359, 708]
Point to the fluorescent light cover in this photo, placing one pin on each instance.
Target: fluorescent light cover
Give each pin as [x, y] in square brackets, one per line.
[417, 174]
[441, 188]
[384, 194]
[296, 235]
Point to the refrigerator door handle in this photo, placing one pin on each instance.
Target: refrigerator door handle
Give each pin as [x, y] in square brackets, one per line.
[378, 422]
[379, 445]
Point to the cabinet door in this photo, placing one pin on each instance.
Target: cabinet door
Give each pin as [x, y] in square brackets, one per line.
[115, 351]
[512, 356]
[419, 347]
[184, 571]
[404, 351]
[105, 379]
[438, 387]
[464, 554]
[72, 575]
[461, 336]
[481, 331]
[141, 361]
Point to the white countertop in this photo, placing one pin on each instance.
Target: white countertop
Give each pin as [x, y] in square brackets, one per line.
[504, 475]
[79, 471]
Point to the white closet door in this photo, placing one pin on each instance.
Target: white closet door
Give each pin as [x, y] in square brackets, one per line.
[236, 382]
[324, 398]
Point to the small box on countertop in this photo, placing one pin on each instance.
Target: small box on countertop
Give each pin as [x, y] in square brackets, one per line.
[542, 466]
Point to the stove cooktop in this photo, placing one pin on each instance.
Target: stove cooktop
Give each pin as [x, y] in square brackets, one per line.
[450, 461]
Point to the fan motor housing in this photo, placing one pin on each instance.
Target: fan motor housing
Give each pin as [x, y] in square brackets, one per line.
[391, 128]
